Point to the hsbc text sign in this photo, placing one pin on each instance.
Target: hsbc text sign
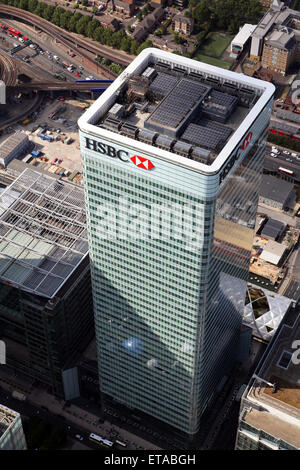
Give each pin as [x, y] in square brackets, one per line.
[123, 155]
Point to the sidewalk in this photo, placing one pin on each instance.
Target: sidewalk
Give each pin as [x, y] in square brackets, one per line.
[86, 420]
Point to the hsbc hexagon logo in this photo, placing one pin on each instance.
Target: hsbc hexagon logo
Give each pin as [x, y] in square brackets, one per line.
[247, 141]
[142, 162]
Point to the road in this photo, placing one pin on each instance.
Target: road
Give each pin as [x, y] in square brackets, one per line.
[28, 410]
[284, 160]
[78, 47]
[278, 215]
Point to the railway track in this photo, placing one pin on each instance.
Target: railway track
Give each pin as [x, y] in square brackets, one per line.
[58, 86]
[78, 45]
[8, 69]
[35, 103]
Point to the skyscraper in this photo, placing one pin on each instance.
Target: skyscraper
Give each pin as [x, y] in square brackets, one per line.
[11, 430]
[172, 156]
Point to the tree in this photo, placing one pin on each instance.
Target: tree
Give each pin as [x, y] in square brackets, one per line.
[144, 45]
[48, 12]
[32, 4]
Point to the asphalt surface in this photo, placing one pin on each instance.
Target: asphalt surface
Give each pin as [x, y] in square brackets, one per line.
[41, 64]
[293, 290]
[28, 410]
[272, 163]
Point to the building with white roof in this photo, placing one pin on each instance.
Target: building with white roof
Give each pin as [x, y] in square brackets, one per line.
[273, 252]
[241, 39]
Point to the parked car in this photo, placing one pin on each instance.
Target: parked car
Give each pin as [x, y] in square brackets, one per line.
[79, 437]
[286, 152]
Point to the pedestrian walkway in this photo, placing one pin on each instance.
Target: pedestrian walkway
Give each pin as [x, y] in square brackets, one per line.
[87, 420]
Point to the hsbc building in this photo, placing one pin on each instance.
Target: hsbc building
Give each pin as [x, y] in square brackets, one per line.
[185, 141]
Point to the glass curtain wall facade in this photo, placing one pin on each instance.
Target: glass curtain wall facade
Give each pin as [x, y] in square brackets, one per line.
[168, 309]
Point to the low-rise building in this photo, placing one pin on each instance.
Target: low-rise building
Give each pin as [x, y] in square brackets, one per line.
[275, 192]
[183, 24]
[273, 252]
[12, 147]
[242, 38]
[269, 413]
[273, 229]
[11, 430]
[126, 7]
[148, 24]
[111, 23]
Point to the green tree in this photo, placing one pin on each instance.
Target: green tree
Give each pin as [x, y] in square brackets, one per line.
[144, 45]
[32, 4]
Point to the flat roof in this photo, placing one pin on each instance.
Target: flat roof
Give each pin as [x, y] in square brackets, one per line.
[243, 35]
[275, 189]
[43, 236]
[9, 144]
[273, 228]
[222, 107]
[279, 412]
[273, 251]
[7, 417]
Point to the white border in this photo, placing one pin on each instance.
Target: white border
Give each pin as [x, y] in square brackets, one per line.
[103, 103]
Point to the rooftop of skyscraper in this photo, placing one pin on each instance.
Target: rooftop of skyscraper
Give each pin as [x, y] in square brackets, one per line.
[275, 391]
[7, 417]
[179, 106]
[43, 234]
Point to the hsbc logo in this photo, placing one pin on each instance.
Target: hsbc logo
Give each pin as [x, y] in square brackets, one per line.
[122, 155]
[247, 141]
[142, 162]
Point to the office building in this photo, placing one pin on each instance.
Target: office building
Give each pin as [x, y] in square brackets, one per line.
[11, 430]
[46, 313]
[269, 413]
[172, 156]
[276, 39]
[277, 193]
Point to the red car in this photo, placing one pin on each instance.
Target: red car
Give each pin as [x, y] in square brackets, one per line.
[59, 162]
[55, 160]
[77, 74]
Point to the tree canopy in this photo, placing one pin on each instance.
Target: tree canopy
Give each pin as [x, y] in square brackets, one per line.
[226, 15]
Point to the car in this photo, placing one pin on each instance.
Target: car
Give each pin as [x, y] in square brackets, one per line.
[59, 162]
[55, 160]
[273, 155]
[289, 160]
[77, 74]
[286, 152]
[79, 437]
[294, 155]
